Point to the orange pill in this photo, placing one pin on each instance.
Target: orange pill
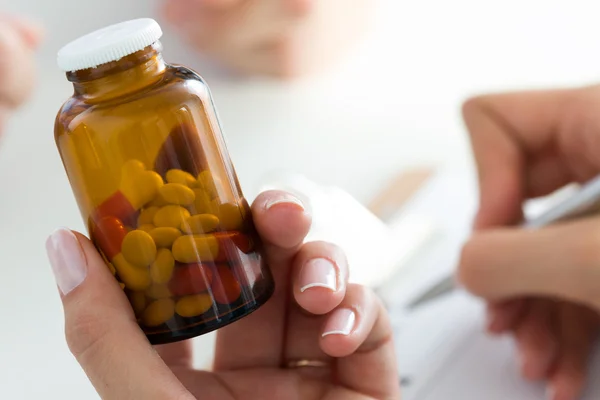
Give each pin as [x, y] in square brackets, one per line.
[249, 270]
[108, 234]
[116, 206]
[190, 279]
[230, 243]
[225, 288]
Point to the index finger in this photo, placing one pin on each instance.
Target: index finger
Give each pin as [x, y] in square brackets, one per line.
[101, 330]
[512, 136]
[557, 261]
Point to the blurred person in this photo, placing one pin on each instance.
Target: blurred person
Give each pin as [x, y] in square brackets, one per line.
[19, 38]
[318, 337]
[542, 286]
[282, 38]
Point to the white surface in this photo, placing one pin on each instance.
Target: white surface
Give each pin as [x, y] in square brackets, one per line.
[110, 43]
[395, 104]
[447, 356]
[360, 236]
[442, 348]
[449, 199]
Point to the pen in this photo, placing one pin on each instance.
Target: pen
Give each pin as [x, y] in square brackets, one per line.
[584, 202]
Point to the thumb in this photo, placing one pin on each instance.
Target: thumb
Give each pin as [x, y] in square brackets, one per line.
[101, 330]
[558, 261]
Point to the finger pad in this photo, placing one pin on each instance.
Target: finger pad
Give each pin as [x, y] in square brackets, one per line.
[283, 225]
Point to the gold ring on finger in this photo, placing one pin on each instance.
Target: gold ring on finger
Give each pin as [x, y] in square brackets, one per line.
[307, 363]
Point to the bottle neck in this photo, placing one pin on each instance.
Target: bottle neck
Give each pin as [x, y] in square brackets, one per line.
[119, 78]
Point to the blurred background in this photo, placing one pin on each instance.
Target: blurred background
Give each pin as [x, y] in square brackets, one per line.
[348, 93]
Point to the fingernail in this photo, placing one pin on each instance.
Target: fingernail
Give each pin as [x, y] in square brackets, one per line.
[66, 259]
[284, 198]
[318, 272]
[341, 322]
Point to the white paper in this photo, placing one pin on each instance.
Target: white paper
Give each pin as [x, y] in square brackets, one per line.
[445, 353]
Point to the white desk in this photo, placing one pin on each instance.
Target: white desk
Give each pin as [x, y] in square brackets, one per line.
[397, 105]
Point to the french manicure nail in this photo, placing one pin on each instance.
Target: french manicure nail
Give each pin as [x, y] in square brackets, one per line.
[66, 259]
[284, 198]
[318, 272]
[341, 322]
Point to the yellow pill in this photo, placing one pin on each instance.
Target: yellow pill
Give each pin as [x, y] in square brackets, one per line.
[192, 306]
[176, 193]
[202, 203]
[146, 227]
[139, 248]
[122, 285]
[161, 269]
[196, 248]
[134, 278]
[201, 223]
[230, 216]
[138, 302]
[132, 167]
[181, 177]
[158, 291]
[158, 312]
[138, 185]
[157, 202]
[209, 183]
[147, 215]
[164, 236]
[171, 216]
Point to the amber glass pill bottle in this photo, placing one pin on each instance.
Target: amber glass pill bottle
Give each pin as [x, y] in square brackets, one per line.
[143, 150]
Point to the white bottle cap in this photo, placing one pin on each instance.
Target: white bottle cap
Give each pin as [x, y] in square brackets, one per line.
[108, 44]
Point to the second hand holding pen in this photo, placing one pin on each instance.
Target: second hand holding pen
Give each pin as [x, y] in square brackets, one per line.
[584, 202]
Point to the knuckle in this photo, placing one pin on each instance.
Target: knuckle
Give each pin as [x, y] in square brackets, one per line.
[85, 333]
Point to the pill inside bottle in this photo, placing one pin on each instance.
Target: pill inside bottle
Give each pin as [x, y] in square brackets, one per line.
[146, 159]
